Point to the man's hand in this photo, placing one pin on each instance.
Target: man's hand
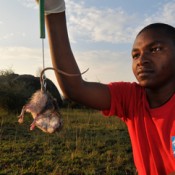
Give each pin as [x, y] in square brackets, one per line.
[53, 6]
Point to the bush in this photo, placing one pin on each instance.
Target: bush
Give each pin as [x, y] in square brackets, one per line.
[13, 96]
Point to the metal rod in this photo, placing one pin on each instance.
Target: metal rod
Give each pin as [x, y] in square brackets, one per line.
[43, 53]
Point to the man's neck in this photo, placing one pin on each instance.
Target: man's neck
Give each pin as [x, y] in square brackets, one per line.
[157, 98]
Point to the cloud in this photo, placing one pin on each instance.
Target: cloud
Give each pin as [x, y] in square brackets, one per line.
[95, 24]
[28, 3]
[105, 66]
[21, 53]
[164, 14]
[112, 25]
[7, 36]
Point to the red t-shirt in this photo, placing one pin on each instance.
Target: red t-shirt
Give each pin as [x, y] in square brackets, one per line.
[152, 131]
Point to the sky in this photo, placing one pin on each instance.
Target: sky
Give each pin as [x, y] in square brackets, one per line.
[101, 34]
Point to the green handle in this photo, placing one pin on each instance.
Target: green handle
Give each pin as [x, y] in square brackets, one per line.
[42, 20]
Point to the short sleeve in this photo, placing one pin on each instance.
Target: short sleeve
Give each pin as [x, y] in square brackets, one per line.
[123, 95]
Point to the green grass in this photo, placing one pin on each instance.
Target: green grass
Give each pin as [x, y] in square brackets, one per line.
[88, 144]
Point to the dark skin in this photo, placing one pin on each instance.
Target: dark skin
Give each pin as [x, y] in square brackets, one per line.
[154, 65]
[95, 95]
[153, 58]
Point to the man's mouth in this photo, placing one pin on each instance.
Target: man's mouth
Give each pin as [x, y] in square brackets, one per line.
[141, 73]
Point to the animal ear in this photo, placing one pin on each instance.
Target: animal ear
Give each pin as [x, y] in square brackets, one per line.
[55, 102]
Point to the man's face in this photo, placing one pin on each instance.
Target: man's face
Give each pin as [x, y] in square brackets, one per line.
[153, 56]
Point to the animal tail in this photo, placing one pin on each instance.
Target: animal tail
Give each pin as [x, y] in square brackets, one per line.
[58, 71]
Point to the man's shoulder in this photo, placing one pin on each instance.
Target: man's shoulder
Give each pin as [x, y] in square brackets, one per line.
[126, 84]
[127, 88]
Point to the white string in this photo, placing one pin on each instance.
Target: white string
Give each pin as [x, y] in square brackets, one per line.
[43, 53]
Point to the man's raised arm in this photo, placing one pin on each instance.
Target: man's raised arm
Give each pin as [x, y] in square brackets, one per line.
[95, 95]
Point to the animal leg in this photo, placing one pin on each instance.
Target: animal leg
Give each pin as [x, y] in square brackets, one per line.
[32, 126]
[21, 116]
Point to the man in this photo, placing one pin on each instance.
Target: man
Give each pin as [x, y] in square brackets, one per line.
[147, 107]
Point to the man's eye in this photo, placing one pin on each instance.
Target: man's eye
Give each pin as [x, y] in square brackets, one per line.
[156, 49]
[135, 56]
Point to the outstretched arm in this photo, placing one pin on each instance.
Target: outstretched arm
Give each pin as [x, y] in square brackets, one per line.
[95, 95]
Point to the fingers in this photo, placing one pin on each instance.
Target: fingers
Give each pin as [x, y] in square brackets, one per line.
[53, 6]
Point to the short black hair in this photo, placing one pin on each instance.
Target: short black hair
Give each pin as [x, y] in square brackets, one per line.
[168, 29]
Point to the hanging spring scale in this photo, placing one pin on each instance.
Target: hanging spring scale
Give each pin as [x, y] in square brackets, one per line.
[42, 35]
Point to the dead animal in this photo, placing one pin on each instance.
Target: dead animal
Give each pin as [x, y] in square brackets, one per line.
[44, 107]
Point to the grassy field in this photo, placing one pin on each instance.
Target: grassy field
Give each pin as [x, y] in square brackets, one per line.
[88, 144]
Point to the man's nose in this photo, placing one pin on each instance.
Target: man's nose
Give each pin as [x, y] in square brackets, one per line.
[143, 59]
